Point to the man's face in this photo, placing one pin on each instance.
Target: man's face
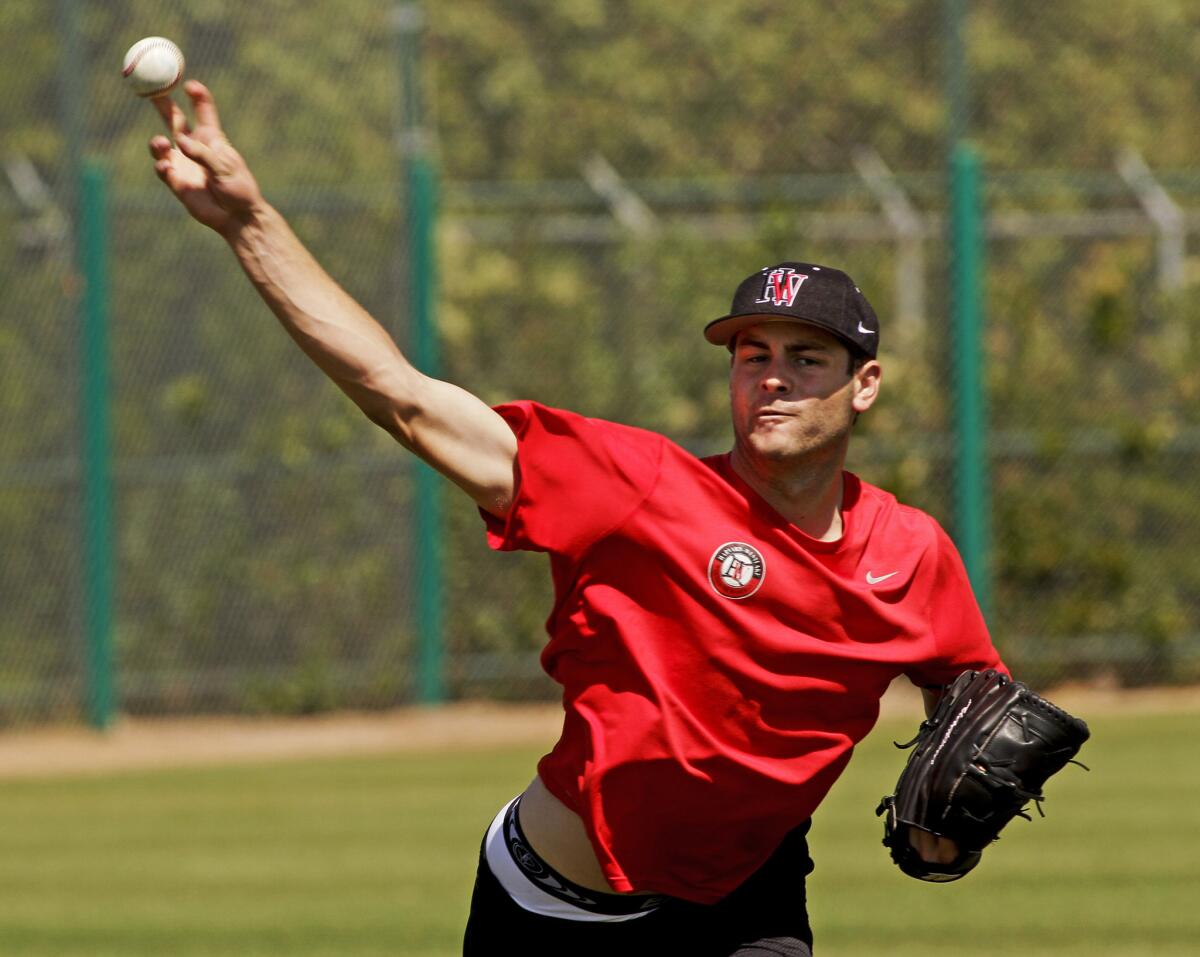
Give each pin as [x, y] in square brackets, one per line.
[793, 393]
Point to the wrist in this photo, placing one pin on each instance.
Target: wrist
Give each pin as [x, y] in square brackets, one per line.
[254, 216]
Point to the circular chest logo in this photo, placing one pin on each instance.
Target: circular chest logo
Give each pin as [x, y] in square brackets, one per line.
[736, 570]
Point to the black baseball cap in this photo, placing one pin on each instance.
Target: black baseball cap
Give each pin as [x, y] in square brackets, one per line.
[792, 291]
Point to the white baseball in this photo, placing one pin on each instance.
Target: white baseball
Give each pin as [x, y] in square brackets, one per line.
[153, 66]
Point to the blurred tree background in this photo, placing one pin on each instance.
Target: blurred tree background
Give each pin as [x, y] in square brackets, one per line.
[610, 169]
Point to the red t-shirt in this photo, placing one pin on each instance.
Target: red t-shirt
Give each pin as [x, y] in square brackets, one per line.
[718, 665]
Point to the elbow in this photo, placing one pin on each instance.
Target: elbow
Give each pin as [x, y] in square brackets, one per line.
[390, 422]
[388, 398]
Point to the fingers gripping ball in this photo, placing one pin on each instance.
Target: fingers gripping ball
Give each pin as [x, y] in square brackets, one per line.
[153, 66]
[978, 762]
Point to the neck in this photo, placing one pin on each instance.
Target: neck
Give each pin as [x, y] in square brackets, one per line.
[809, 497]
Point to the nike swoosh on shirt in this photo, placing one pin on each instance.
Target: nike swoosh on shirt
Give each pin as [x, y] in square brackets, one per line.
[873, 580]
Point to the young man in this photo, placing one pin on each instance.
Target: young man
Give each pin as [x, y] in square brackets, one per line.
[723, 628]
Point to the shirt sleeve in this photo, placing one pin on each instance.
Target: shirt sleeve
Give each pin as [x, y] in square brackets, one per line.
[959, 632]
[578, 479]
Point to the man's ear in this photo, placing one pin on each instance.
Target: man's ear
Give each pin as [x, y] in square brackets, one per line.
[867, 378]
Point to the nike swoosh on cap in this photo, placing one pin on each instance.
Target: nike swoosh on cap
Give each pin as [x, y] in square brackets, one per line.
[865, 330]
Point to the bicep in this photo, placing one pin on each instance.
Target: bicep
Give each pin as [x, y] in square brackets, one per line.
[457, 434]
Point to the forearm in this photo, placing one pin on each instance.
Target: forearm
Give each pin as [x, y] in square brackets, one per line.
[341, 337]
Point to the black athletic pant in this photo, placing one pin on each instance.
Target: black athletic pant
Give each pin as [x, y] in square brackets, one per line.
[765, 917]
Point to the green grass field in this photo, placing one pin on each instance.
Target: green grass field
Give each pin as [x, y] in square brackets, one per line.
[360, 857]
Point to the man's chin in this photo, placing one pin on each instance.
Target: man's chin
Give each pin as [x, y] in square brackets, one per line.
[776, 447]
[772, 448]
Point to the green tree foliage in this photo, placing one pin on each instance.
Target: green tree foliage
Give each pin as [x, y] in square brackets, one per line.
[265, 549]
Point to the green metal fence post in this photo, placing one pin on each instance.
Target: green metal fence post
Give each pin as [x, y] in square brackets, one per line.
[92, 245]
[422, 193]
[972, 485]
[966, 240]
[956, 75]
[420, 176]
[72, 98]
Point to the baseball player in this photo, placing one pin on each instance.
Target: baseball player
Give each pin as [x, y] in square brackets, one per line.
[723, 628]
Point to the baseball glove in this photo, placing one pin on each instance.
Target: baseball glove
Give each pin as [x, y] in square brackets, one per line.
[978, 762]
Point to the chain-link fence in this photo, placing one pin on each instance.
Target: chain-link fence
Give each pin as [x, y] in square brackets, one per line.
[609, 171]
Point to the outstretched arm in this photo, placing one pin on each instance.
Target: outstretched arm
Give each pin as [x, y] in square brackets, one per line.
[448, 427]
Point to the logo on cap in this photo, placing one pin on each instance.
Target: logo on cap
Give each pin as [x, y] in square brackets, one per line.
[736, 570]
[781, 286]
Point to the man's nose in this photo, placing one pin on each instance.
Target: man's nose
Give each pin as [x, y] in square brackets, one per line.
[775, 380]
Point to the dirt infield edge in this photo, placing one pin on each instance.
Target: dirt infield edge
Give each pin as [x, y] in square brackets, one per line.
[188, 742]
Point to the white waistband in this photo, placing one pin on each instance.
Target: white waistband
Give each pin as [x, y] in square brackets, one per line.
[523, 891]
